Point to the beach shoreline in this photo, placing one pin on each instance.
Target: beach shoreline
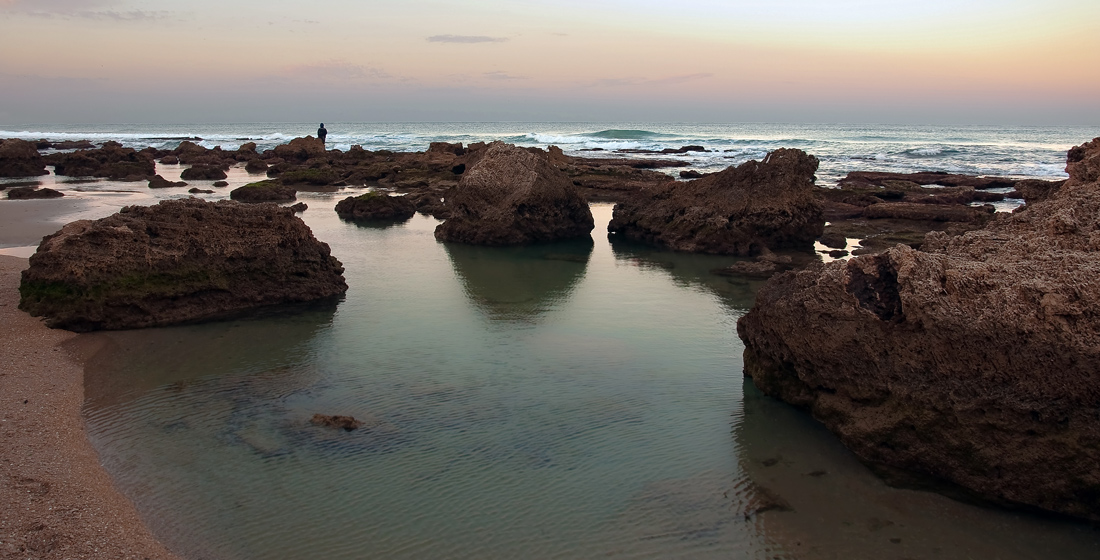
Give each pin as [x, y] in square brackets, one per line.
[59, 500]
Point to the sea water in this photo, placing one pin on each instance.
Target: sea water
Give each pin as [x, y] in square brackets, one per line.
[571, 400]
[1010, 151]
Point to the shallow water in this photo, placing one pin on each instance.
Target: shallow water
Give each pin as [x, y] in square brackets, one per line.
[571, 400]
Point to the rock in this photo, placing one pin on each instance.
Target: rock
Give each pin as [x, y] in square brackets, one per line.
[298, 208]
[158, 182]
[72, 145]
[203, 172]
[111, 161]
[739, 211]
[376, 206]
[264, 191]
[1034, 190]
[446, 148]
[20, 158]
[692, 174]
[170, 160]
[256, 166]
[838, 253]
[879, 178]
[512, 196]
[928, 212]
[197, 190]
[27, 193]
[834, 241]
[969, 364]
[347, 423]
[221, 184]
[315, 177]
[178, 261]
[301, 149]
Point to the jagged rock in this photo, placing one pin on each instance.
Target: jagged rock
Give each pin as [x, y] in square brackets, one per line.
[298, 208]
[739, 211]
[19, 158]
[111, 161]
[347, 423]
[512, 196]
[1034, 190]
[446, 148]
[264, 191]
[178, 261]
[27, 193]
[301, 149]
[972, 363]
[256, 166]
[158, 182]
[376, 206]
[203, 172]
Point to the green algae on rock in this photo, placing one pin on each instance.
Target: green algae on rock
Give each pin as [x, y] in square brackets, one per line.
[178, 261]
[270, 190]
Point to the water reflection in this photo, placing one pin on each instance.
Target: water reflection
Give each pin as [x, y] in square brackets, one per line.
[815, 499]
[520, 283]
[690, 270]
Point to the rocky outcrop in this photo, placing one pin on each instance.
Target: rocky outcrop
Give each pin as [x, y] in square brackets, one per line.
[513, 196]
[179, 261]
[301, 149]
[376, 206]
[740, 211]
[111, 161]
[203, 173]
[264, 191]
[27, 193]
[158, 182]
[20, 158]
[971, 363]
[256, 166]
[346, 423]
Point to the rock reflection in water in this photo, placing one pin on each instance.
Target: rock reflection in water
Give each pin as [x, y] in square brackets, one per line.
[520, 283]
[826, 504]
[690, 270]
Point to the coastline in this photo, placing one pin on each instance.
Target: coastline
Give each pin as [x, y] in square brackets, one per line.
[59, 501]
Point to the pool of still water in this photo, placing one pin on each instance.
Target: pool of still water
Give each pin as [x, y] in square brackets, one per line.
[571, 400]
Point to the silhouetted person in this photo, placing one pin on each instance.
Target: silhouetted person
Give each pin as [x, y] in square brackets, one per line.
[322, 133]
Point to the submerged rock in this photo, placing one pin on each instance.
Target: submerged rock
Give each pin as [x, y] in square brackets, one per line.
[513, 196]
[740, 211]
[347, 423]
[376, 206]
[20, 158]
[178, 261]
[972, 363]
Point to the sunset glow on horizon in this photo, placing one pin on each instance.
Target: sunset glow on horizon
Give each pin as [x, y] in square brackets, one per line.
[1012, 62]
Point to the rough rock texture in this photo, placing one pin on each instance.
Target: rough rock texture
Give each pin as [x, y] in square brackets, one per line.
[513, 196]
[19, 158]
[740, 211]
[203, 172]
[27, 193]
[264, 191]
[974, 362]
[301, 149]
[179, 261]
[347, 423]
[112, 161]
[158, 182]
[376, 206]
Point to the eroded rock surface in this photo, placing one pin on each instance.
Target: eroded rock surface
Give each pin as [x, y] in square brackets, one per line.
[973, 362]
[740, 211]
[178, 261]
[19, 158]
[376, 206]
[513, 196]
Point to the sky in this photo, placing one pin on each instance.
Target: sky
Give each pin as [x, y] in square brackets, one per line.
[1030, 62]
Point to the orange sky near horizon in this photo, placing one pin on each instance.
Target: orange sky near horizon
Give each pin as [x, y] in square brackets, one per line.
[846, 59]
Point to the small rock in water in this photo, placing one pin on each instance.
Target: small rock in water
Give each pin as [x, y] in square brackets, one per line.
[221, 184]
[348, 423]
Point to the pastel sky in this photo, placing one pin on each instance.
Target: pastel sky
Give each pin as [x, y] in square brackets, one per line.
[885, 61]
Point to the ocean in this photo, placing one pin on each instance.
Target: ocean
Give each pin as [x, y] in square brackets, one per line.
[1009, 151]
[570, 400]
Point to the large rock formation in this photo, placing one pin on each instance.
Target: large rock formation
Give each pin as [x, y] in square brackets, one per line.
[20, 158]
[973, 362]
[112, 161]
[740, 211]
[513, 196]
[179, 261]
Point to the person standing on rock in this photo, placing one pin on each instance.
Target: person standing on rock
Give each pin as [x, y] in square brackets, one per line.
[322, 133]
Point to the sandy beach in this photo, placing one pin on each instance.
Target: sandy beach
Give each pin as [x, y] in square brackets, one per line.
[58, 500]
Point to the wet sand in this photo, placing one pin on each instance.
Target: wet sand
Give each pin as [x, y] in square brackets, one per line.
[58, 502]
